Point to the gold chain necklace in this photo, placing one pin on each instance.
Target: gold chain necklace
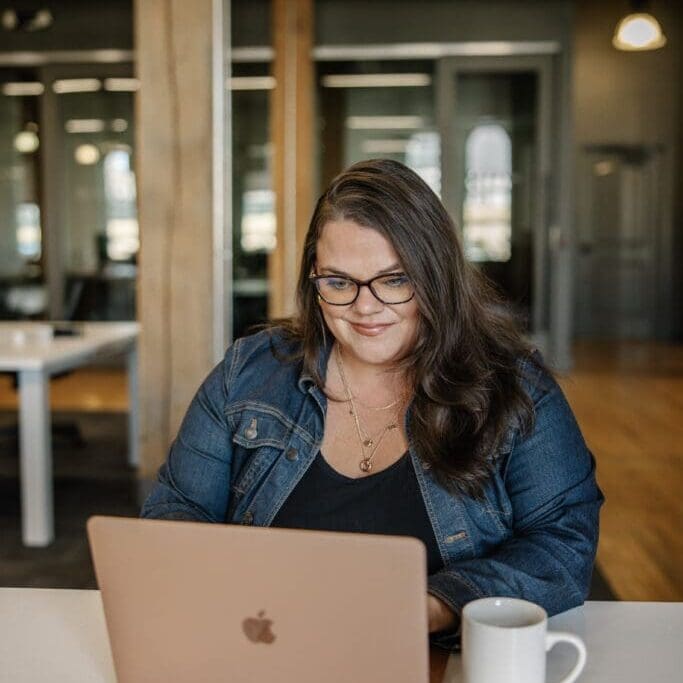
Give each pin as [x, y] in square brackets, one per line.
[365, 441]
[386, 407]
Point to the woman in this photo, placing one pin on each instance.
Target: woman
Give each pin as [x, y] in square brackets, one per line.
[401, 399]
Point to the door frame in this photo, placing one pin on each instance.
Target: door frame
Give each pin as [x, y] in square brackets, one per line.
[551, 293]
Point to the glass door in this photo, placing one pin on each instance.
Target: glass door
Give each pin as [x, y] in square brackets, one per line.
[253, 205]
[22, 288]
[89, 190]
[372, 108]
[495, 120]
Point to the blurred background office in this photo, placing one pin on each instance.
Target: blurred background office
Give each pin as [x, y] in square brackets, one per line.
[159, 161]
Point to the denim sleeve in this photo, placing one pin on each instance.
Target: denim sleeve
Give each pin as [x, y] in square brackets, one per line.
[194, 482]
[550, 481]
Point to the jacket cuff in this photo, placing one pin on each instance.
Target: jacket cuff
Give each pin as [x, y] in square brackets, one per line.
[456, 592]
[172, 511]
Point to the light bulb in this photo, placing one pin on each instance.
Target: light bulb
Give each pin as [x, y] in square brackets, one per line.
[87, 154]
[26, 142]
[639, 31]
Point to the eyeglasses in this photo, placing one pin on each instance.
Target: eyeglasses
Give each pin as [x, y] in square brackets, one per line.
[337, 290]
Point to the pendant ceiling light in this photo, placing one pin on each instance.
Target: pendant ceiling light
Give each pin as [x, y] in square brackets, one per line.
[638, 31]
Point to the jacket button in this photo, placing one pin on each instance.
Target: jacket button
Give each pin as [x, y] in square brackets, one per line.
[251, 432]
[248, 517]
[291, 454]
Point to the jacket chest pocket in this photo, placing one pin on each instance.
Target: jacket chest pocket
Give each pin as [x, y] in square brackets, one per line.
[259, 439]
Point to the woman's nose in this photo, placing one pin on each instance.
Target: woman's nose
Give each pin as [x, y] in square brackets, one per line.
[367, 302]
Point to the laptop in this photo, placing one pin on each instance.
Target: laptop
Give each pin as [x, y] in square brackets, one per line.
[192, 602]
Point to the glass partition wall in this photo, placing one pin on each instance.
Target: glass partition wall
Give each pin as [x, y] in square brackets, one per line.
[22, 288]
[253, 200]
[68, 217]
[99, 227]
[475, 128]
[371, 109]
[495, 120]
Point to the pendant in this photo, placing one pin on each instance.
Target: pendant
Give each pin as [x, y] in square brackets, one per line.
[365, 465]
[368, 443]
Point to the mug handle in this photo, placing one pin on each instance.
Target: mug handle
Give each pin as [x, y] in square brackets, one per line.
[554, 637]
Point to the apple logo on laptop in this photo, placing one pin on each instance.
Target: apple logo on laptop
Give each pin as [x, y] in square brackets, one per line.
[258, 630]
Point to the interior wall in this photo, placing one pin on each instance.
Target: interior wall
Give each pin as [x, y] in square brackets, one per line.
[250, 23]
[632, 98]
[77, 25]
[414, 21]
[358, 22]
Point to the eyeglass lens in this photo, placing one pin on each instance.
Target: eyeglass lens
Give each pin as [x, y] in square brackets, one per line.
[389, 289]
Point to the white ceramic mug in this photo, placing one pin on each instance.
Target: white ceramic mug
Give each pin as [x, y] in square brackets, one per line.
[505, 640]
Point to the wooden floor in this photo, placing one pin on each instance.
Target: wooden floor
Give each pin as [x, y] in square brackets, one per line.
[629, 402]
[84, 390]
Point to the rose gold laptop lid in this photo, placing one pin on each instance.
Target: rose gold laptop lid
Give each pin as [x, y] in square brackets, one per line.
[196, 602]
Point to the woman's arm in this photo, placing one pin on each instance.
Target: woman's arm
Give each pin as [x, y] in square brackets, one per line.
[440, 616]
[194, 482]
[550, 480]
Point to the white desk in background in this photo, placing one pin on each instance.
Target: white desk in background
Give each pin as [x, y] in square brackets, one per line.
[30, 350]
[60, 636]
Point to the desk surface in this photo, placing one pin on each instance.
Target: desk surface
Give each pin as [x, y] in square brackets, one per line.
[60, 636]
[30, 345]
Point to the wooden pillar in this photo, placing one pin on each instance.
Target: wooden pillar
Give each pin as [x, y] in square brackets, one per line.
[292, 138]
[177, 106]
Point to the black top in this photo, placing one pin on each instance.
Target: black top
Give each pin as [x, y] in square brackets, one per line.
[388, 502]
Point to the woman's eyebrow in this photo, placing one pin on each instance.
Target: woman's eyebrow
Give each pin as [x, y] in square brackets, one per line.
[395, 267]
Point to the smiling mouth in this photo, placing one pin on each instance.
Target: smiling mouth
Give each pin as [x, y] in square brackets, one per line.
[370, 330]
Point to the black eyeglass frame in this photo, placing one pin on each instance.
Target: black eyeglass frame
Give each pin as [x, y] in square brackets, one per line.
[359, 284]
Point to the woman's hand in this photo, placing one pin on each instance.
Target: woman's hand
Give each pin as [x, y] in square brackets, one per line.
[440, 615]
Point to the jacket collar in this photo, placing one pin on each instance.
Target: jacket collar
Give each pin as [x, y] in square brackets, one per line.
[306, 381]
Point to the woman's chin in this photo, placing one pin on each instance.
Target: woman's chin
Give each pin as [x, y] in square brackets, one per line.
[377, 353]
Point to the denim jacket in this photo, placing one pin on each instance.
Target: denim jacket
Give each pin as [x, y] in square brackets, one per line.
[257, 422]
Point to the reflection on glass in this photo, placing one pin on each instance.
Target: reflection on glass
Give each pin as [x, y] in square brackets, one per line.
[90, 161]
[253, 220]
[258, 221]
[101, 236]
[495, 147]
[29, 237]
[22, 292]
[378, 109]
[100, 211]
[87, 155]
[423, 155]
[122, 232]
[26, 142]
[487, 227]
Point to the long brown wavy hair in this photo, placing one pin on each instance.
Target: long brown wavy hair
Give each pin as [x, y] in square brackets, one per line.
[465, 363]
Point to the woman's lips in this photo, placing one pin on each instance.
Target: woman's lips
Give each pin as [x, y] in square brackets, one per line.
[369, 330]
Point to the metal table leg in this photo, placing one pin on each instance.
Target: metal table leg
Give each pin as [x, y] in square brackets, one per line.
[37, 515]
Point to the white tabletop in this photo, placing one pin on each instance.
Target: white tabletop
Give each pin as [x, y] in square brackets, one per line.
[53, 635]
[627, 642]
[31, 346]
[60, 636]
